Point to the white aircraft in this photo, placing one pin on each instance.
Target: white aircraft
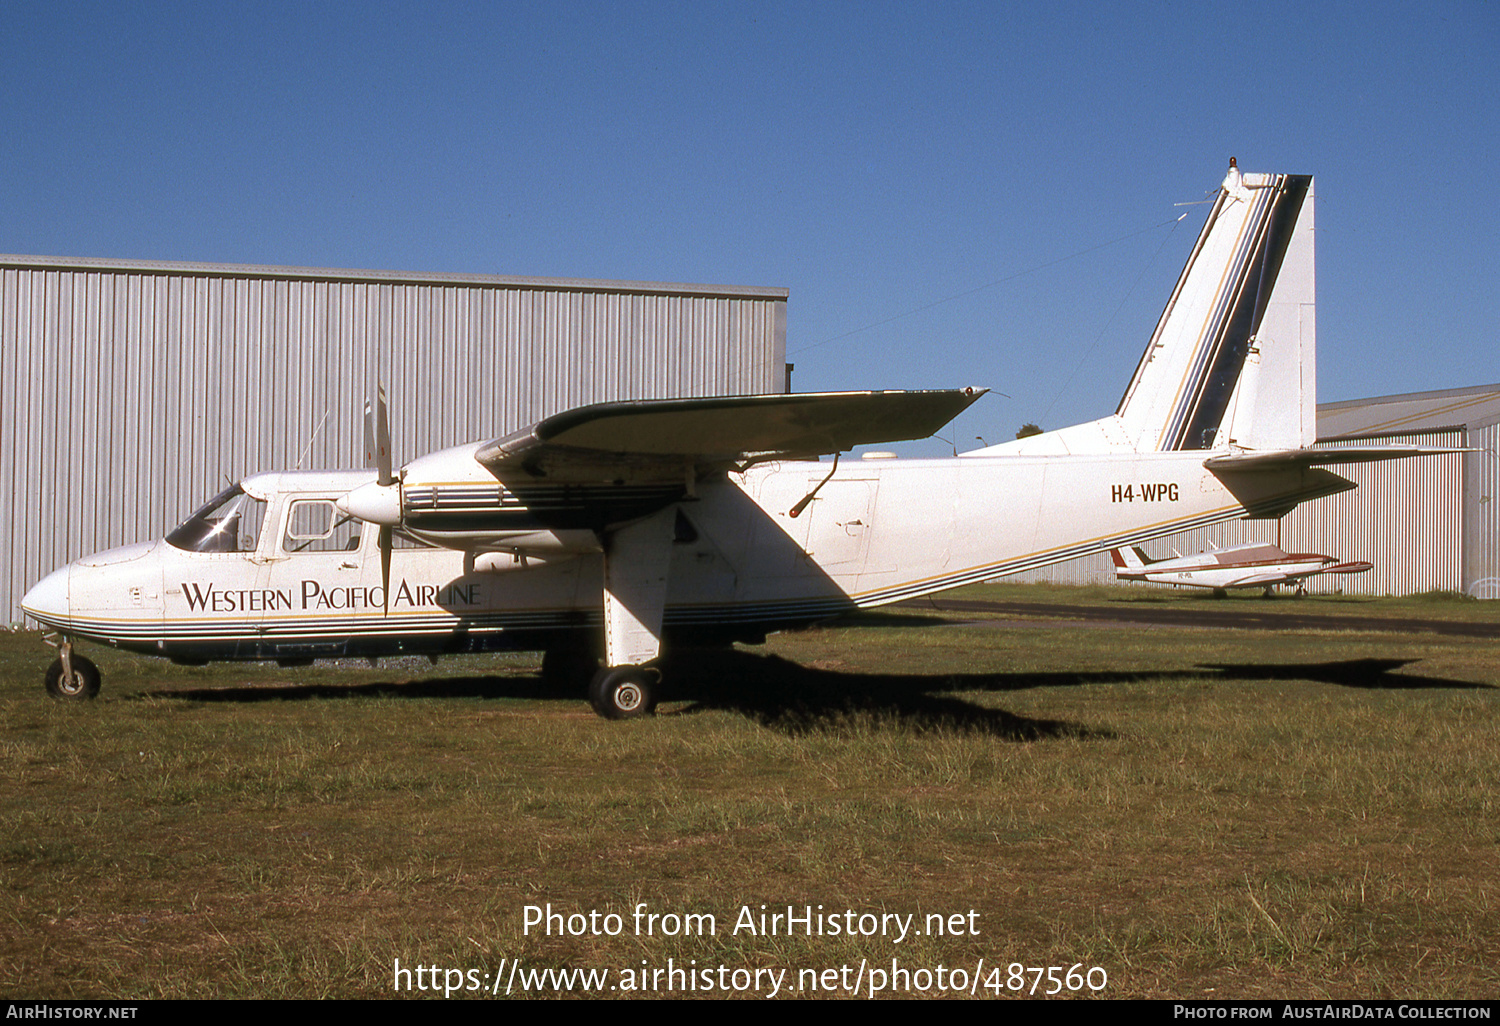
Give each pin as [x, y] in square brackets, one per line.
[599, 533]
[1258, 565]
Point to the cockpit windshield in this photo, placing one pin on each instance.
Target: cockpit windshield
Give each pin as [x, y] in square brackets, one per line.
[230, 522]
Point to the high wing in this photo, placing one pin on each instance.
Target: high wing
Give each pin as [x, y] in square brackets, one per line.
[660, 438]
[558, 483]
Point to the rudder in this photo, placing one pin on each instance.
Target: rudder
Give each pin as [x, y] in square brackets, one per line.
[1231, 361]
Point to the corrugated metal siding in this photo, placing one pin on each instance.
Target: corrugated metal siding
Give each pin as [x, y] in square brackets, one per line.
[1482, 521]
[129, 394]
[1406, 517]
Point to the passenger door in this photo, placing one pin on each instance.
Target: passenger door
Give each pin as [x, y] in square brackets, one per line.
[322, 594]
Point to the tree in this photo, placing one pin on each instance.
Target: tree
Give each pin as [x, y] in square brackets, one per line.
[1027, 430]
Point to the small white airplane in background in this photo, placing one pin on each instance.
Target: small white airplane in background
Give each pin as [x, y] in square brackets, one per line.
[600, 532]
[1258, 565]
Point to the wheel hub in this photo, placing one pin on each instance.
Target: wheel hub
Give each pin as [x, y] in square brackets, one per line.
[629, 697]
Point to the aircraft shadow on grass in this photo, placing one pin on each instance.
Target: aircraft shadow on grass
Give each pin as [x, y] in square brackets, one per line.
[1372, 674]
[786, 696]
[774, 692]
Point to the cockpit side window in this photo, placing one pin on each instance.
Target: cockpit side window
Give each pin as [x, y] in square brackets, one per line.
[316, 525]
[230, 522]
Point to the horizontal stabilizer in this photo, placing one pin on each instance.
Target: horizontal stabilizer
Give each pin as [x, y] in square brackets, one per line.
[1320, 456]
[673, 433]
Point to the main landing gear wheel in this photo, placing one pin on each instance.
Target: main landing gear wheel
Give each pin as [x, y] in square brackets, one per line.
[81, 686]
[624, 692]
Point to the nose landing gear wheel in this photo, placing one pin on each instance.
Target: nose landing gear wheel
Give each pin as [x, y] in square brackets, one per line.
[81, 686]
[624, 692]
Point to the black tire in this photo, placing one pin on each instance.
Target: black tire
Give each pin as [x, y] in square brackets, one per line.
[624, 692]
[82, 688]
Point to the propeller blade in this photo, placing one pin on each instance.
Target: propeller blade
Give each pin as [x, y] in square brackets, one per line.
[382, 440]
[385, 569]
[369, 434]
[386, 507]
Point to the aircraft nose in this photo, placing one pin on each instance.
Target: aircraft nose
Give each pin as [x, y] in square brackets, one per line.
[47, 600]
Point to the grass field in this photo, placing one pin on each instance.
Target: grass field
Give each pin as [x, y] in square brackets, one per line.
[1198, 813]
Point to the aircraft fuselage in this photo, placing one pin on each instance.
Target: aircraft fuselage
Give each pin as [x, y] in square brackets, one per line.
[876, 532]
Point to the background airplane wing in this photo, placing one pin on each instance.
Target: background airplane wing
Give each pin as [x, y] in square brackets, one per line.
[1256, 580]
[665, 436]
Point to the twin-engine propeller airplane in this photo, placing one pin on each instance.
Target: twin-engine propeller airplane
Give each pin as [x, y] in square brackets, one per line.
[599, 533]
[1257, 565]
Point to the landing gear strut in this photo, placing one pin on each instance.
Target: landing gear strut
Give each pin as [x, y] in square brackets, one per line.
[624, 692]
[71, 676]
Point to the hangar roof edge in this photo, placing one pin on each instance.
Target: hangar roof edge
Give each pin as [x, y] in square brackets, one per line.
[339, 274]
[1474, 406]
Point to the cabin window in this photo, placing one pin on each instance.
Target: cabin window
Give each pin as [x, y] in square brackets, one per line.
[316, 525]
[230, 522]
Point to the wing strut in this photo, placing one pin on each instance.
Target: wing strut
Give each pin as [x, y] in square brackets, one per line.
[796, 510]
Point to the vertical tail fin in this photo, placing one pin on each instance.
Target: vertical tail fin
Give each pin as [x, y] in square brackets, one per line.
[1133, 558]
[1232, 359]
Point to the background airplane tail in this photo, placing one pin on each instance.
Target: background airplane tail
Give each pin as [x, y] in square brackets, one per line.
[1132, 558]
[1232, 359]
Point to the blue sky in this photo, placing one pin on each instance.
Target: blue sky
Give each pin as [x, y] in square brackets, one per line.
[955, 194]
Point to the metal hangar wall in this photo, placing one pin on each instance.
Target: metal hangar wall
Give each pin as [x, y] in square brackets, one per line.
[132, 392]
